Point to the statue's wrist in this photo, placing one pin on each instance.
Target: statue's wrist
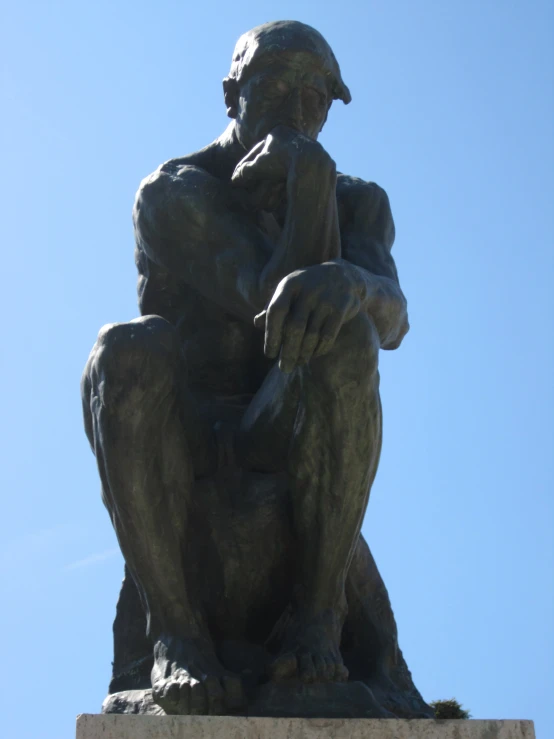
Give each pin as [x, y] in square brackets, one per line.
[310, 172]
[356, 280]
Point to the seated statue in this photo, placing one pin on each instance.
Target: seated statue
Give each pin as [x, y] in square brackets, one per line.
[237, 423]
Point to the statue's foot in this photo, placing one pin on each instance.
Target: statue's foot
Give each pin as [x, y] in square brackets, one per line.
[187, 679]
[311, 650]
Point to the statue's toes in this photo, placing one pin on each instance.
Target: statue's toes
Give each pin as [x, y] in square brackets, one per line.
[284, 667]
[306, 668]
[325, 669]
[211, 695]
[341, 673]
[160, 691]
[173, 696]
[235, 697]
[214, 695]
[198, 701]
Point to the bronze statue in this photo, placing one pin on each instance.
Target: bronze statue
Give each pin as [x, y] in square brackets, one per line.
[237, 422]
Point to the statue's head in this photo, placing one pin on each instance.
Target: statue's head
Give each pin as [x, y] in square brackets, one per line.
[285, 73]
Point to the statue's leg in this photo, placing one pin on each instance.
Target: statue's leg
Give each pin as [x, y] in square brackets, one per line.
[370, 640]
[322, 422]
[145, 432]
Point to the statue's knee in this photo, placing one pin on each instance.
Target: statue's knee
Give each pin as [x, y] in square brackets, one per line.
[357, 344]
[140, 355]
[350, 367]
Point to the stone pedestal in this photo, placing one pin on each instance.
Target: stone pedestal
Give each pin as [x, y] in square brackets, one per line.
[227, 727]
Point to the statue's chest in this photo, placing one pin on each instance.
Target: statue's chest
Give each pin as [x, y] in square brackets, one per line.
[223, 354]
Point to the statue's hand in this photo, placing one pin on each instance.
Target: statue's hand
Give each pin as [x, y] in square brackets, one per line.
[306, 313]
[278, 163]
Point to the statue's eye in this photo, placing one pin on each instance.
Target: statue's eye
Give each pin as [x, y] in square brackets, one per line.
[278, 87]
[315, 98]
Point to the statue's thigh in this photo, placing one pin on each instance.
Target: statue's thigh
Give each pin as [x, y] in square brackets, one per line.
[267, 426]
[136, 378]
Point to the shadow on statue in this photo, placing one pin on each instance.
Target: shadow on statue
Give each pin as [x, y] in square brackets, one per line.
[237, 423]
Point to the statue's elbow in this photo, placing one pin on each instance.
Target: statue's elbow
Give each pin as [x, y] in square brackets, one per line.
[396, 336]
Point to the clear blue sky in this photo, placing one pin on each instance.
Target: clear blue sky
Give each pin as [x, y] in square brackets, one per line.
[453, 115]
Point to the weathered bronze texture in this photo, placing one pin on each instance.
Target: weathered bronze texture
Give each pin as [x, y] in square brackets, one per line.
[237, 422]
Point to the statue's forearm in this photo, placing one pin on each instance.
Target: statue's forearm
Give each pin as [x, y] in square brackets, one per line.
[187, 222]
[311, 230]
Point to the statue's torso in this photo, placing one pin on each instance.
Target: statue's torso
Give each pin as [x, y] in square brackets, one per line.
[224, 354]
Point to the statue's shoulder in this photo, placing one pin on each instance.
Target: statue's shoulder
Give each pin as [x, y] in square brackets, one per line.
[199, 159]
[355, 192]
[189, 163]
[173, 178]
[180, 165]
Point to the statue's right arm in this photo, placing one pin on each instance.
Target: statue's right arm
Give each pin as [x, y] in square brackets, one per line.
[193, 225]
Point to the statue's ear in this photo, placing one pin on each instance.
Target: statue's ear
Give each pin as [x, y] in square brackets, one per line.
[231, 94]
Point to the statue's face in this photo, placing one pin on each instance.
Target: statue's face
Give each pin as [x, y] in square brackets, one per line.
[291, 90]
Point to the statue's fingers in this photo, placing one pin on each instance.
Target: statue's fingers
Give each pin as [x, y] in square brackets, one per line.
[252, 154]
[259, 320]
[328, 334]
[311, 337]
[262, 168]
[293, 335]
[244, 174]
[275, 321]
[254, 151]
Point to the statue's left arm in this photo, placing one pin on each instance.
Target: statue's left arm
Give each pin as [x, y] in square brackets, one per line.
[312, 303]
[367, 236]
